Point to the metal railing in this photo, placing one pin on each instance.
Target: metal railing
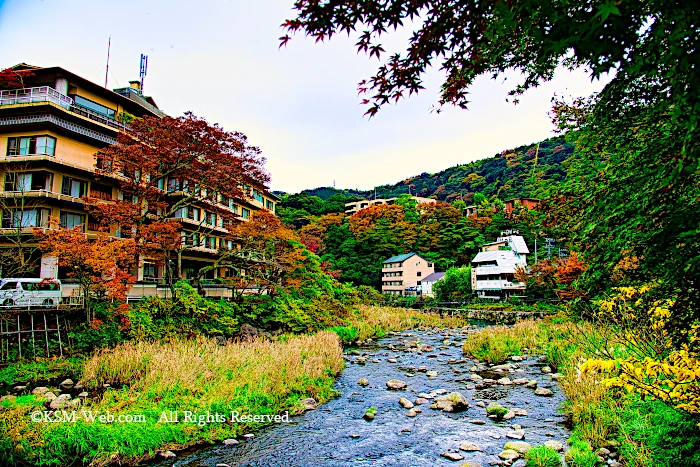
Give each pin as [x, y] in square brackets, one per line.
[49, 94]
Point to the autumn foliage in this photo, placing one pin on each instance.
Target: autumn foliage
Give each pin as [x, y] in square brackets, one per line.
[102, 266]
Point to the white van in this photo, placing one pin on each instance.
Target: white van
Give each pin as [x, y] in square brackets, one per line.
[26, 292]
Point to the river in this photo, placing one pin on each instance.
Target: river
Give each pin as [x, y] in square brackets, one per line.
[336, 434]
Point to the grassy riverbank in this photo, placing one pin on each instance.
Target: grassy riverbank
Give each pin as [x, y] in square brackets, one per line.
[375, 321]
[645, 433]
[260, 378]
[198, 375]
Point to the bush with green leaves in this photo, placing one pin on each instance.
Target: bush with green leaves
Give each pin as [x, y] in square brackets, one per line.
[542, 456]
[455, 286]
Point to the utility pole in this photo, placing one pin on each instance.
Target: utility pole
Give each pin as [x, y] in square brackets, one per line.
[109, 45]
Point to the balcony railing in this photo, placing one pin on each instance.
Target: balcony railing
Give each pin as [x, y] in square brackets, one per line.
[48, 94]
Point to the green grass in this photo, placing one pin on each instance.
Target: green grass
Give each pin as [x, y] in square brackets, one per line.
[32, 371]
[260, 378]
[542, 456]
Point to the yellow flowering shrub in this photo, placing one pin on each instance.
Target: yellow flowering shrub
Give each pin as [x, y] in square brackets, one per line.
[644, 358]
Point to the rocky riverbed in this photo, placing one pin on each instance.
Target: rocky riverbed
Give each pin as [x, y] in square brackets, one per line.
[430, 409]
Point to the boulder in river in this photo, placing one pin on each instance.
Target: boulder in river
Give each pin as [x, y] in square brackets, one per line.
[405, 403]
[421, 401]
[469, 447]
[496, 410]
[309, 403]
[556, 445]
[230, 442]
[67, 383]
[396, 384]
[532, 384]
[509, 455]
[453, 402]
[363, 382]
[40, 390]
[515, 434]
[453, 456]
[167, 454]
[544, 392]
[519, 446]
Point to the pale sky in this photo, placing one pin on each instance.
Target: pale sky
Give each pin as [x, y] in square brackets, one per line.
[220, 59]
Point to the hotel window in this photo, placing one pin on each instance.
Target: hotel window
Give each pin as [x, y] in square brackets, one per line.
[20, 146]
[246, 213]
[258, 196]
[70, 219]
[419, 273]
[74, 187]
[27, 181]
[149, 272]
[270, 205]
[94, 106]
[100, 191]
[22, 218]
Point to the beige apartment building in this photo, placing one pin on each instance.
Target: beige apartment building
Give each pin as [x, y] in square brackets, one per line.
[401, 274]
[351, 208]
[50, 131]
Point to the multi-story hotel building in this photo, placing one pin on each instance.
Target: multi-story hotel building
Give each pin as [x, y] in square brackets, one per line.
[401, 274]
[493, 268]
[50, 131]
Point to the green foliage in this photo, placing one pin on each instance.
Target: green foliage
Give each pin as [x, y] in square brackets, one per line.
[670, 434]
[580, 453]
[542, 456]
[456, 285]
[347, 334]
[42, 369]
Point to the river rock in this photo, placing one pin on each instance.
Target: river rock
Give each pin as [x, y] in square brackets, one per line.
[392, 360]
[230, 442]
[546, 369]
[166, 454]
[40, 390]
[475, 377]
[439, 391]
[375, 360]
[520, 412]
[557, 376]
[421, 401]
[519, 446]
[246, 333]
[469, 447]
[544, 392]
[361, 360]
[49, 395]
[470, 464]
[363, 382]
[453, 456]
[423, 395]
[396, 384]
[425, 348]
[411, 413]
[509, 415]
[354, 352]
[556, 445]
[477, 422]
[309, 403]
[453, 402]
[249, 435]
[481, 404]
[504, 381]
[59, 402]
[405, 403]
[603, 452]
[516, 434]
[532, 384]
[516, 358]
[222, 465]
[509, 455]
[431, 373]
[67, 383]
[20, 388]
[520, 381]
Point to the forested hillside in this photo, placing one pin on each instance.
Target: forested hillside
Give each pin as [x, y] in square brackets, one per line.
[521, 172]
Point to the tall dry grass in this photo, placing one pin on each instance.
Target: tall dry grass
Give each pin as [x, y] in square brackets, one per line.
[201, 365]
[371, 321]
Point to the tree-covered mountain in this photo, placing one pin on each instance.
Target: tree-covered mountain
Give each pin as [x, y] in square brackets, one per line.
[527, 171]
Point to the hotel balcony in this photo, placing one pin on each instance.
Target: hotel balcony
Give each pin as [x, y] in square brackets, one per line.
[27, 98]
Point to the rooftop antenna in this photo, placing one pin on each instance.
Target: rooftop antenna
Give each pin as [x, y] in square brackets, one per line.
[143, 69]
[109, 45]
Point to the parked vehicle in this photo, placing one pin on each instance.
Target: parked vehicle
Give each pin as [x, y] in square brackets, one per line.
[27, 292]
